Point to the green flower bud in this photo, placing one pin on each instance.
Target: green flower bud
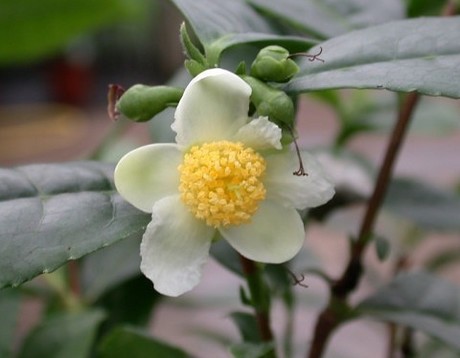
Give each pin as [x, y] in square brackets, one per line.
[141, 103]
[273, 64]
[272, 102]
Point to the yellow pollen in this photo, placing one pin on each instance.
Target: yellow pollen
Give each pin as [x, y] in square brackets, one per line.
[220, 182]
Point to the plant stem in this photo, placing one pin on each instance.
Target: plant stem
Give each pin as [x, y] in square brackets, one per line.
[259, 297]
[73, 268]
[392, 330]
[331, 318]
[386, 170]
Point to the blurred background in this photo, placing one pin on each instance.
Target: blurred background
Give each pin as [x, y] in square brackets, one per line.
[56, 61]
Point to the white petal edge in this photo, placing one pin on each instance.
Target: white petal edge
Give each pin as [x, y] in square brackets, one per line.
[301, 192]
[213, 107]
[274, 235]
[174, 248]
[260, 134]
[148, 174]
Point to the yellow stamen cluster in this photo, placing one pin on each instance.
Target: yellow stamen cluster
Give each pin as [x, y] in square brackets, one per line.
[221, 183]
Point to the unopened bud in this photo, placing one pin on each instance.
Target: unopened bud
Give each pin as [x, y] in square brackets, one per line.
[272, 102]
[273, 64]
[141, 103]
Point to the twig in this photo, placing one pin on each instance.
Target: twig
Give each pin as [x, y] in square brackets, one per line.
[331, 317]
[257, 290]
[74, 277]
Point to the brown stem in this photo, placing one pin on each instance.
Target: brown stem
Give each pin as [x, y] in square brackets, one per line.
[450, 9]
[392, 330]
[407, 347]
[256, 288]
[329, 319]
[74, 277]
[386, 170]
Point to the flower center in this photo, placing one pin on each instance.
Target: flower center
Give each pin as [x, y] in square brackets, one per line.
[220, 182]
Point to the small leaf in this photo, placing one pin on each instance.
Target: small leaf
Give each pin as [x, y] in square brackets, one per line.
[421, 301]
[126, 341]
[227, 256]
[420, 55]
[9, 310]
[282, 283]
[247, 326]
[428, 207]
[67, 335]
[189, 47]
[439, 261]
[252, 350]
[52, 213]
[382, 248]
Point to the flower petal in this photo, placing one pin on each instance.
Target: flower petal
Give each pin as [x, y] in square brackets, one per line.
[298, 191]
[275, 234]
[260, 134]
[175, 247]
[148, 174]
[213, 107]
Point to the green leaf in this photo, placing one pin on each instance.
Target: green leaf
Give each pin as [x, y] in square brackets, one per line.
[281, 282]
[137, 294]
[428, 207]
[32, 29]
[382, 248]
[291, 43]
[377, 111]
[9, 310]
[252, 350]
[213, 19]
[104, 269]
[247, 326]
[439, 261]
[68, 335]
[420, 55]
[52, 213]
[326, 19]
[221, 24]
[417, 8]
[227, 256]
[421, 301]
[434, 348]
[126, 341]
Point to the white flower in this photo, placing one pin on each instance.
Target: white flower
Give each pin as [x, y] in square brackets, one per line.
[226, 175]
